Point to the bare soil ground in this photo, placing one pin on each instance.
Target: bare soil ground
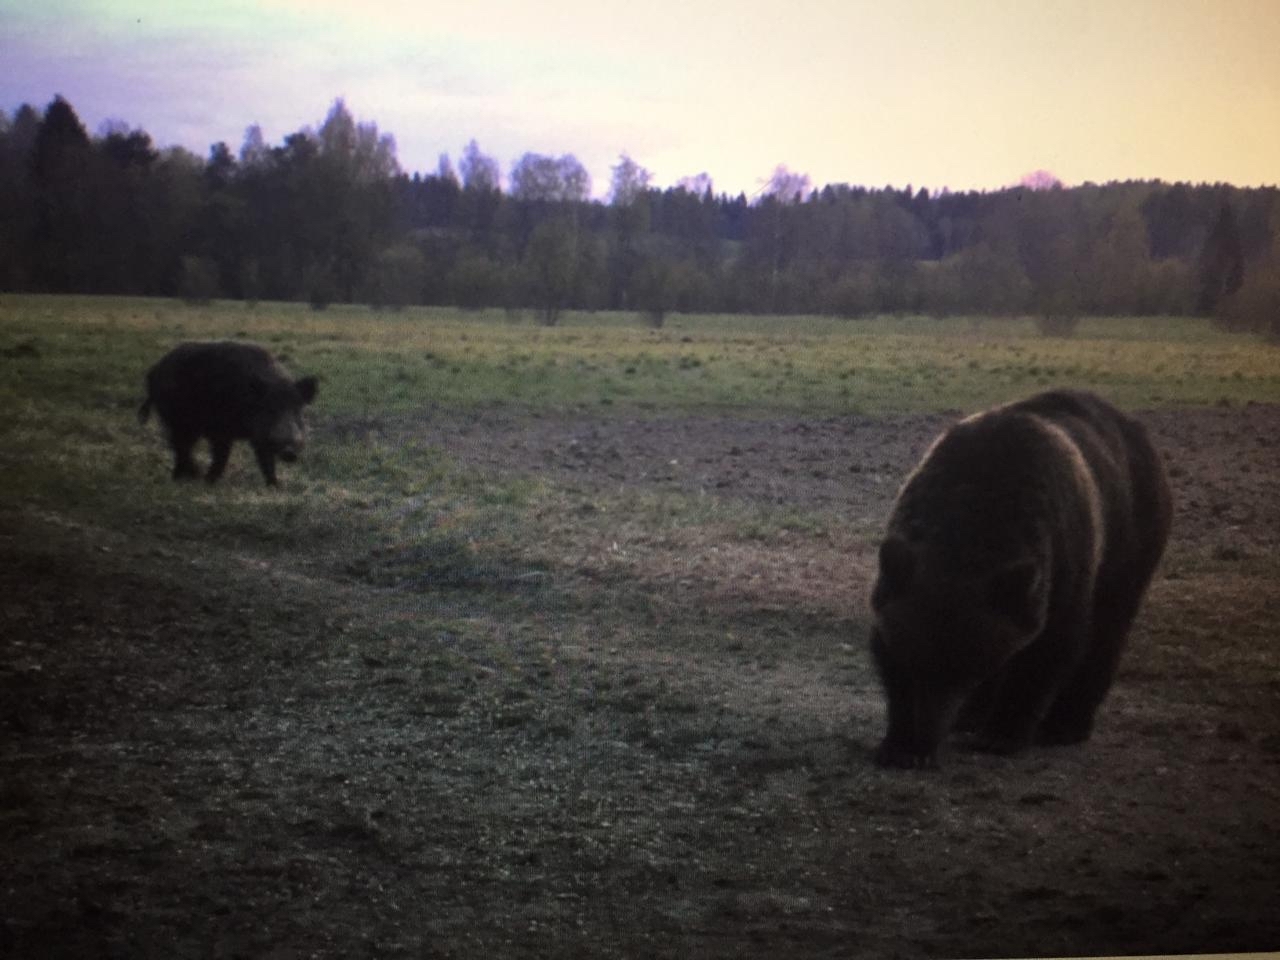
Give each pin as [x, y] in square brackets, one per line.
[653, 742]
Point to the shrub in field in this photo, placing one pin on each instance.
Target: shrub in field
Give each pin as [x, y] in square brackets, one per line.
[320, 287]
[397, 275]
[853, 295]
[656, 288]
[476, 281]
[551, 263]
[1255, 307]
[1062, 325]
[1221, 263]
[198, 280]
[1166, 288]
[250, 277]
[976, 281]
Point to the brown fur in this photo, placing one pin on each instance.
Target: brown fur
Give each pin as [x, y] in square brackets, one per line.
[1014, 562]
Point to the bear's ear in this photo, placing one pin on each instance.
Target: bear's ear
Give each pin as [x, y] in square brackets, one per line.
[897, 568]
[307, 388]
[1017, 593]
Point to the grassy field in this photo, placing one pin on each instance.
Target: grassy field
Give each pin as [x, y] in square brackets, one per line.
[552, 643]
[71, 443]
[404, 361]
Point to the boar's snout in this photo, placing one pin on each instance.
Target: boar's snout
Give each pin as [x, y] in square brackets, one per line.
[288, 437]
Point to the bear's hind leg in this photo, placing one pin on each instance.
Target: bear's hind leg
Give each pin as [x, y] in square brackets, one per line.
[1032, 680]
[1070, 720]
[979, 705]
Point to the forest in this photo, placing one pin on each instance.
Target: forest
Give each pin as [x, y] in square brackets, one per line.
[329, 216]
[554, 641]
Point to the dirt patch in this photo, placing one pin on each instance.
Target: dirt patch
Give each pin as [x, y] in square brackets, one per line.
[654, 750]
[825, 462]
[1224, 462]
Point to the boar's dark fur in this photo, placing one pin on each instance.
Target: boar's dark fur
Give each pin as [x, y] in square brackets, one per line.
[1015, 560]
[225, 391]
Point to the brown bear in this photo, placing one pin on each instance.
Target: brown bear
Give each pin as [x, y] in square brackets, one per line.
[223, 391]
[1015, 560]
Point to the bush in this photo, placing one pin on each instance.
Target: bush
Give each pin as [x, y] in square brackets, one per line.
[476, 281]
[320, 288]
[1062, 325]
[655, 288]
[198, 280]
[319, 298]
[1255, 307]
[853, 295]
[1166, 288]
[397, 277]
[250, 275]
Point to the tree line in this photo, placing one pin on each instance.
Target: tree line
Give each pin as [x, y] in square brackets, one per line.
[329, 216]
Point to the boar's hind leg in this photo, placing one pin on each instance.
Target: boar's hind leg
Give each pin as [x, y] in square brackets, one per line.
[184, 467]
[266, 462]
[221, 452]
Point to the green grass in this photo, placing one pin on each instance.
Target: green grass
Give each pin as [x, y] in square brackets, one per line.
[377, 500]
[398, 363]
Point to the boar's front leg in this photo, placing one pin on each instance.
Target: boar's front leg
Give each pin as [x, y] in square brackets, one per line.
[266, 461]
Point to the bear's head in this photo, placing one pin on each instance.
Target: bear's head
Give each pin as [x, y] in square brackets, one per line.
[942, 627]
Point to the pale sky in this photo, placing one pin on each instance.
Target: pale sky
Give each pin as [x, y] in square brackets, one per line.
[932, 93]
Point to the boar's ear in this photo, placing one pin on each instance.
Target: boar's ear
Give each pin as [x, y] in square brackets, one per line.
[1017, 593]
[307, 388]
[897, 568]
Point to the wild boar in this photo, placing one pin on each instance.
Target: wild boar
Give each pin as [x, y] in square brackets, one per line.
[225, 391]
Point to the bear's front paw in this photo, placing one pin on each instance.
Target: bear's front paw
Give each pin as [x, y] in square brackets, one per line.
[899, 757]
[1000, 744]
[1062, 734]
